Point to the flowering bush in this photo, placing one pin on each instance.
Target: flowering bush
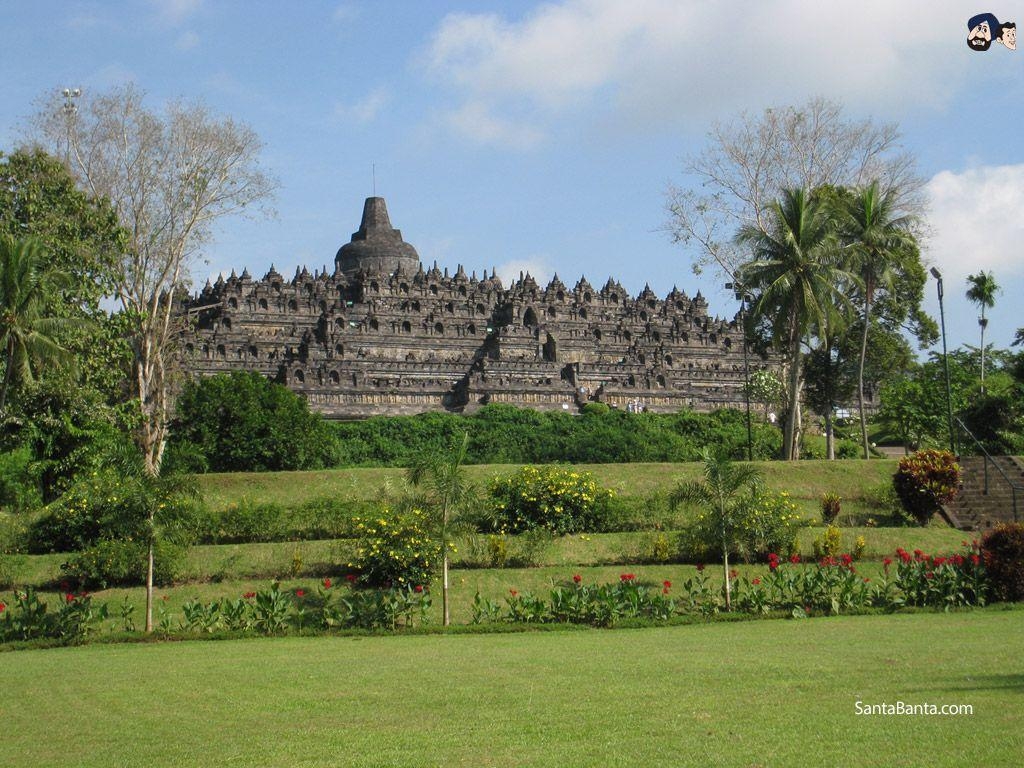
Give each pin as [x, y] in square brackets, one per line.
[558, 499]
[947, 581]
[925, 481]
[1003, 551]
[396, 549]
[28, 618]
[765, 522]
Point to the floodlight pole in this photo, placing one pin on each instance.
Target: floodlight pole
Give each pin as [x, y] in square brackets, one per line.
[945, 362]
[743, 296]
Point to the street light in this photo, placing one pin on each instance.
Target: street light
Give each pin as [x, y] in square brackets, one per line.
[70, 109]
[743, 297]
[945, 362]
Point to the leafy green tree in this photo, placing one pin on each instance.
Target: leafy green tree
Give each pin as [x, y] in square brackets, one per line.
[878, 240]
[798, 278]
[242, 422]
[830, 383]
[449, 492]
[982, 291]
[722, 493]
[26, 332]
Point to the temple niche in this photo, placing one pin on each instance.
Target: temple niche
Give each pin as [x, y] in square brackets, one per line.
[381, 335]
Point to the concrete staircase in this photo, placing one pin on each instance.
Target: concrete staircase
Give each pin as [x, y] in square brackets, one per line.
[977, 509]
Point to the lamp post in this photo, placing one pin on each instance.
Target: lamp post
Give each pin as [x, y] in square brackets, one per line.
[945, 362]
[743, 297]
[70, 109]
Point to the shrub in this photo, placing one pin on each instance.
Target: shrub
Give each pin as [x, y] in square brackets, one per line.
[770, 525]
[558, 499]
[829, 544]
[243, 422]
[110, 563]
[19, 483]
[1003, 550]
[831, 505]
[397, 548]
[925, 481]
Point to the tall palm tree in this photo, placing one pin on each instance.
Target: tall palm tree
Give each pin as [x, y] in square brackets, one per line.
[26, 333]
[877, 240]
[982, 292]
[721, 493]
[449, 492]
[796, 273]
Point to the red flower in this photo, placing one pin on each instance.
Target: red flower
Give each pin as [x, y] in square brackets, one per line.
[734, 574]
[866, 580]
[627, 577]
[69, 597]
[756, 581]
[794, 558]
[249, 595]
[887, 562]
[919, 554]
[418, 588]
[351, 578]
[165, 598]
[904, 555]
[577, 578]
[513, 593]
[700, 566]
[327, 583]
[666, 584]
[940, 560]
[3, 607]
[957, 559]
[929, 575]
[847, 559]
[975, 559]
[300, 593]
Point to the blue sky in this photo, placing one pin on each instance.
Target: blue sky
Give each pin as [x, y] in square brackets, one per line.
[543, 136]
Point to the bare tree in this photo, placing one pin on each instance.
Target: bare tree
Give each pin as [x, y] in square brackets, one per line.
[749, 161]
[170, 176]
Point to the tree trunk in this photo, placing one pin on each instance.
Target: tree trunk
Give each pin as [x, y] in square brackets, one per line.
[725, 566]
[830, 439]
[8, 365]
[445, 617]
[789, 433]
[983, 324]
[860, 373]
[148, 581]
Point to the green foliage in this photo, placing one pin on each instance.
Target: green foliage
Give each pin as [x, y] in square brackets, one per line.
[503, 434]
[29, 618]
[396, 548]
[123, 562]
[557, 499]
[243, 422]
[1003, 551]
[831, 506]
[763, 521]
[19, 482]
[925, 481]
[829, 544]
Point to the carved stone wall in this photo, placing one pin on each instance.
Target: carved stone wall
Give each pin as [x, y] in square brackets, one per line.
[365, 341]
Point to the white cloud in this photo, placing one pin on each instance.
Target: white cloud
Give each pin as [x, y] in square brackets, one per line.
[176, 11]
[479, 122]
[537, 266]
[367, 108]
[976, 220]
[679, 62]
[345, 13]
[187, 41]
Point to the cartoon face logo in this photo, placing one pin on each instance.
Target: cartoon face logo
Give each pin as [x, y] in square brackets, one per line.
[984, 28]
[1008, 35]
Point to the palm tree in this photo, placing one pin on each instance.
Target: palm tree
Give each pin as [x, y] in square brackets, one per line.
[26, 334]
[795, 269]
[982, 292]
[449, 492]
[877, 239]
[721, 493]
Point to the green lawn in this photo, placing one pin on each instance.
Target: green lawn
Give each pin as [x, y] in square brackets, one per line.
[805, 480]
[761, 693]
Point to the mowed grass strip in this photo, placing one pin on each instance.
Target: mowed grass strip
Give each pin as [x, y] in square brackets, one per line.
[805, 480]
[765, 693]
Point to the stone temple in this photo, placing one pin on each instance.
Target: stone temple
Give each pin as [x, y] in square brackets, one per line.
[383, 335]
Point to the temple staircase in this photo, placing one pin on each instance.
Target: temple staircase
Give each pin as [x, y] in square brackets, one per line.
[992, 492]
